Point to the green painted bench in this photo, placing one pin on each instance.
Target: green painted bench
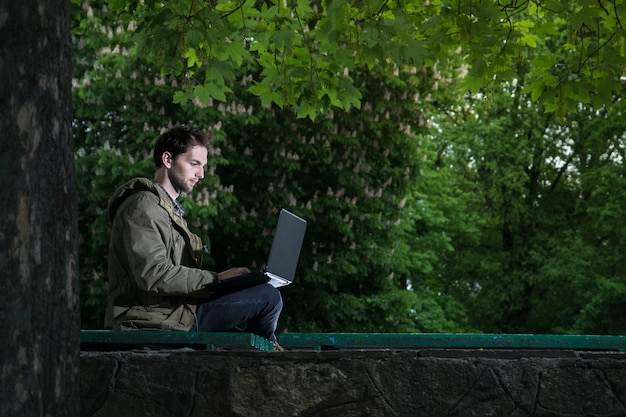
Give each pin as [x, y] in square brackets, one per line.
[122, 340]
[450, 341]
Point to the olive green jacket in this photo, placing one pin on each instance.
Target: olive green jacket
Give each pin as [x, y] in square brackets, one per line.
[154, 272]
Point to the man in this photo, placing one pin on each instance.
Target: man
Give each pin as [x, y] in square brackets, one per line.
[155, 275]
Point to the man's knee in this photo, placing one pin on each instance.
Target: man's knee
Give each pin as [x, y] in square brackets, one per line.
[274, 296]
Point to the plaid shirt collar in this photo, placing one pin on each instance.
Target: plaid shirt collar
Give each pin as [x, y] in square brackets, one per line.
[178, 208]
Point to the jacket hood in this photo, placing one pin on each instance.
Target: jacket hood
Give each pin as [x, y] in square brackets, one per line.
[129, 188]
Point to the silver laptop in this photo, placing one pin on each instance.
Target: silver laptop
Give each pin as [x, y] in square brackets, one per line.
[282, 261]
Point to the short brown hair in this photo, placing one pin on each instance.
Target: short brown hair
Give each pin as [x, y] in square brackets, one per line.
[178, 140]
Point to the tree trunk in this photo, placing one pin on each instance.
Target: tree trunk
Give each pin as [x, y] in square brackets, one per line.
[39, 313]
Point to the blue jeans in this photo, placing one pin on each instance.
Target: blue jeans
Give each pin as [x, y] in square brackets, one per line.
[258, 307]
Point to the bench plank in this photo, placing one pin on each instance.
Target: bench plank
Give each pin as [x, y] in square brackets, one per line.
[451, 341]
[93, 339]
[118, 340]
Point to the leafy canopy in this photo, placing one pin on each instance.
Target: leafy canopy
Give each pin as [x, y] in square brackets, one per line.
[309, 49]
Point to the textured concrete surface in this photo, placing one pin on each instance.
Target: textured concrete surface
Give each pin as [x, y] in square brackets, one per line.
[432, 382]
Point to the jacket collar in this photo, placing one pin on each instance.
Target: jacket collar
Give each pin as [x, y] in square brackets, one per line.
[137, 185]
[144, 184]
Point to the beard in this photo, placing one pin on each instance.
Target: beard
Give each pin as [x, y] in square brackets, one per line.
[177, 179]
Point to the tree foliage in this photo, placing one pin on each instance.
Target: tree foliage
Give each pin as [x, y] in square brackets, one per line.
[540, 193]
[309, 50]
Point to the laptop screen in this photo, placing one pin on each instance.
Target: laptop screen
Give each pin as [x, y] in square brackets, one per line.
[286, 246]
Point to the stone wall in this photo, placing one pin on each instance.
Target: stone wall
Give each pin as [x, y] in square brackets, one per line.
[430, 382]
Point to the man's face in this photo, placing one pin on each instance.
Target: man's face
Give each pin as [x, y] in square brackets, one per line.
[188, 168]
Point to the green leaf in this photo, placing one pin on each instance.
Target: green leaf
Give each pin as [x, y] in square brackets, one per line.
[415, 52]
[192, 58]
[530, 40]
[210, 90]
[114, 5]
[180, 97]
[535, 89]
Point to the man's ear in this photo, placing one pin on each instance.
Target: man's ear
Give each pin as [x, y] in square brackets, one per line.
[166, 158]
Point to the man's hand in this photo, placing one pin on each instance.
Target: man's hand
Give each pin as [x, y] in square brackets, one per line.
[232, 272]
